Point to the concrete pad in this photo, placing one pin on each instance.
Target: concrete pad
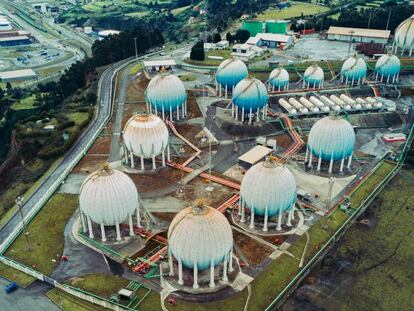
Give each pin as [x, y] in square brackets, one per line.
[241, 281]
[301, 230]
[284, 246]
[72, 184]
[164, 204]
[318, 185]
[276, 254]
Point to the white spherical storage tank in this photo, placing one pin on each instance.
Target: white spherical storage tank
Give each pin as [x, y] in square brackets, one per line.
[354, 70]
[313, 77]
[331, 139]
[404, 37]
[268, 189]
[200, 237]
[166, 95]
[145, 136]
[279, 79]
[108, 197]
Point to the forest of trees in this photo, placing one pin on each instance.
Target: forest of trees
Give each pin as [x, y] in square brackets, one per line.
[50, 96]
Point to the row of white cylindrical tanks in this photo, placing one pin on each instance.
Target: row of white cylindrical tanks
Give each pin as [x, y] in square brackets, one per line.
[315, 104]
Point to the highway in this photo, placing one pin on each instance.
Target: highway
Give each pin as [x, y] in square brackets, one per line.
[55, 178]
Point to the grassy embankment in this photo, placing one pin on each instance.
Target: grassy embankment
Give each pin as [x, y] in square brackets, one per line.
[296, 9]
[379, 255]
[50, 223]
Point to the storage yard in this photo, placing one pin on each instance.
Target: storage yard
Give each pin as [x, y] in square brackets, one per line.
[226, 186]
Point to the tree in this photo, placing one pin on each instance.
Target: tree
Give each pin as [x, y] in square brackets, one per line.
[242, 35]
[216, 37]
[197, 51]
[229, 37]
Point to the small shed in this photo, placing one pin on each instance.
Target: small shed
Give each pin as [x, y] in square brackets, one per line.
[253, 156]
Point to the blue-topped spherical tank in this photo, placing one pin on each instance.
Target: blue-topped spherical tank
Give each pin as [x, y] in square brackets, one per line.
[250, 94]
[387, 68]
[166, 92]
[313, 77]
[268, 187]
[279, 79]
[404, 36]
[230, 72]
[331, 138]
[200, 235]
[354, 70]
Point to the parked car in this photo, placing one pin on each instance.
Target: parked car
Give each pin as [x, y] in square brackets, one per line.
[11, 287]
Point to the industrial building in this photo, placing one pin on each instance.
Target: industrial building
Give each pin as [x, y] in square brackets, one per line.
[106, 33]
[271, 40]
[15, 37]
[5, 24]
[249, 98]
[230, 72]
[200, 238]
[145, 136]
[166, 95]
[253, 156]
[108, 197]
[270, 26]
[17, 75]
[331, 139]
[268, 189]
[159, 65]
[404, 37]
[358, 34]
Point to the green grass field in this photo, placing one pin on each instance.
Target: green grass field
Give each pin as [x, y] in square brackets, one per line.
[295, 10]
[369, 185]
[103, 285]
[68, 302]
[17, 276]
[25, 103]
[380, 254]
[50, 222]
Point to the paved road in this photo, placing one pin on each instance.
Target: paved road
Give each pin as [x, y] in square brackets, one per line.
[32, 298]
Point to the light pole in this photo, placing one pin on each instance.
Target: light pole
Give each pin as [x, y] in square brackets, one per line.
[136, 50]
[19, 203]
[350, 41]
[331, 182]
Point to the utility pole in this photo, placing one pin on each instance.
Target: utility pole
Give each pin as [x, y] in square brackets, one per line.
[369, 19]
[136, 50]
[331, 182]
[19, 203]
[388, 20]
[350, 41]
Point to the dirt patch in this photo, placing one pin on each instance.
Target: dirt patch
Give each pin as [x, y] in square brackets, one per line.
[135, 90]
[90, 163]
[193, 110]
[101, 146]
[197, 189]
[161, 179]
[168, 217]
[254, 251]
[189, 131]
[283, 141]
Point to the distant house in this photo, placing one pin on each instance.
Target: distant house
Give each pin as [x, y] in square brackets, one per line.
[209, 46]
[271, 40]
[246, 52]
[223, 44]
